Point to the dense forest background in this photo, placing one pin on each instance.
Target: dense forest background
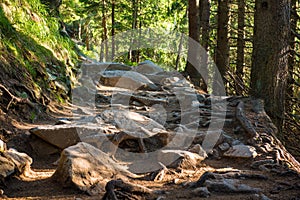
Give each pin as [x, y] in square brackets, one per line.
[255, 45]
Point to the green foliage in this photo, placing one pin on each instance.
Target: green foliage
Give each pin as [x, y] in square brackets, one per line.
[31, 43]
[84, 17]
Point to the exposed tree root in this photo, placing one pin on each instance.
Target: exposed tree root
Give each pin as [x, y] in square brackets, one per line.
[113, 185]
[246, 124]
[14, 98]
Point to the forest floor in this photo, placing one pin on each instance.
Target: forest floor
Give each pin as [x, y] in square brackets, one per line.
[39, 184]
[278, 184]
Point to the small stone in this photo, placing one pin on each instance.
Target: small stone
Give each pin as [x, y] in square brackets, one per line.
[241, 151]
[224, 146]
[198, 150]
[176, 181]
[216, 154]
[236, 142]
[201, 192]
[2, 146]
[264, 197]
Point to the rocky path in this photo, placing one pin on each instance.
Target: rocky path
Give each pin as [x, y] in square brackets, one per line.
[144, 133]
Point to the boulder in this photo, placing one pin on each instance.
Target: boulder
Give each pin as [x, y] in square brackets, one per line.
[87, 168]
[126, 79]
[148, 67]
[12, 161]
[21, 161]
[7, 167]
[241, 151]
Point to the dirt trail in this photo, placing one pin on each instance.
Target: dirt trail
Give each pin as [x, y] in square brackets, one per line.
[267, 171]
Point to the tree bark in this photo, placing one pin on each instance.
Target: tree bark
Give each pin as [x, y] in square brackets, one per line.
[239, 83]
[222, 52]
[290, 89]
[104, 45]
[133, 54]
[204, 14]
[112, 29]
[270, 56]
[194, 35]
[204, 22]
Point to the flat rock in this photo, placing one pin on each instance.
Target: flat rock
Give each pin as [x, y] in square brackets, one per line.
[95, 68]
[132, 123]
[87, 168]
[126, 79]
[41, 147]
[65, 135]
[183, 159]
[241, 151]
[159, 77]
[148, 67]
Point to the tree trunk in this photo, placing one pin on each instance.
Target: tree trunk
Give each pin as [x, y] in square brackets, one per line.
[104, 34]
[204, 22]
[222, 52]
[87, 36]
[134, 52]
[204, 14]
[194, 34]
[239, 83]
[270, 56]
[290, 89]
[112, 29]
[179, 52]
[177, 62]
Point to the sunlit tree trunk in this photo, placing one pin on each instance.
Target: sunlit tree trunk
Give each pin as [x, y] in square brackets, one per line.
[270, 56]
[239, 73]
[177, 62]
[87, 35]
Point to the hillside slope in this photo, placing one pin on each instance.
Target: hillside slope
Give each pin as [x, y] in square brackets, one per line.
[37, 63]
